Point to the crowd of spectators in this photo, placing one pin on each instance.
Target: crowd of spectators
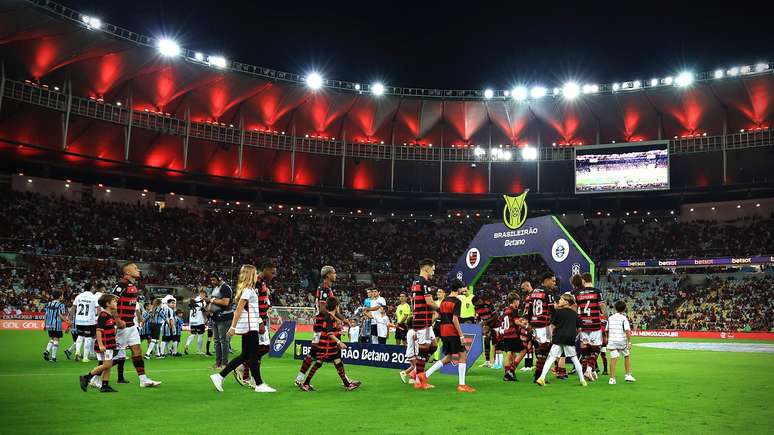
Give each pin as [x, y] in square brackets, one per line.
[59, 244]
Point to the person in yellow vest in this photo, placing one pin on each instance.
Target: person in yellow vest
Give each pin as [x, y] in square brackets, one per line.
[401, 314]
[467, 311]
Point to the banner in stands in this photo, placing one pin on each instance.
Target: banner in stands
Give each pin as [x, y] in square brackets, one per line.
[474, 344]
[28, 325]
[729, 335]
[388, 356]
[282, 339]
[544, 236]
[24, 315]
[723, 261]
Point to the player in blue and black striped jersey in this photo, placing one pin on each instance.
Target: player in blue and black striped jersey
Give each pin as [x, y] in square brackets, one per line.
[145, 322]
[56, 313]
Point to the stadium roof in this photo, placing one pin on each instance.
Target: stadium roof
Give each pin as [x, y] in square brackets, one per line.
[55, 50]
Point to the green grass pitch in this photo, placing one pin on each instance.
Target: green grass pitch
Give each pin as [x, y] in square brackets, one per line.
[677, 392]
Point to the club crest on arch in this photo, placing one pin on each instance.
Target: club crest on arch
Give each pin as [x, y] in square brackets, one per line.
[515, 210]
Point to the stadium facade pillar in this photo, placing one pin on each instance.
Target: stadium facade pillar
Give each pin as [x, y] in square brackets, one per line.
[598, 133]
[660, 118]
[489, 163]
[724, 143]
[392, 155]
[440, 172]
[187, 135]
[2, 83]
[343, 155]
[128, 126]
[66, 115]
[293, 150]
[241, 144]
[539, 155]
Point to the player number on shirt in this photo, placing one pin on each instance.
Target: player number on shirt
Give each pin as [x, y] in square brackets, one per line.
[586, 309]
[537, 308]
[83, 309]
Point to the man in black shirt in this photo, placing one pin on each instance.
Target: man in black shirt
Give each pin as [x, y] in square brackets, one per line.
[566, 325]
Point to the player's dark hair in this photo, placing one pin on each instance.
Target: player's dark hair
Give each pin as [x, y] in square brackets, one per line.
[476, 299]
[546, 275]
[146, 304]
[576, 281]
[126, 266]
[101, 287]
[105, 299]
[456, 284]
[331, 304]
[56, 294]
[215, 274]
[587, 277]
[179, 312]
[620, 306]
[87, 287]
[426, 262]
[527, 281]
[267, 264]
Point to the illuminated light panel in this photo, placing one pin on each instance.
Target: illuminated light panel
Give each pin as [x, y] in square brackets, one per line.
[718, 74]
[654, 82]
[519, 93]
[488, 94]
[733, 71]
[314, 80]
[571, 90]
[168, 47]
[529, 153]
[684, 79]
[218, 61]
[538, 92]
[376, 89]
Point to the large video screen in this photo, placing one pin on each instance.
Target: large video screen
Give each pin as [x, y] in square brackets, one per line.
[629, 167]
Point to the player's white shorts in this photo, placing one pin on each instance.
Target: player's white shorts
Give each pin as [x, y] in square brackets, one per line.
[616, 349]
[381, 330]
[106, 356]
[593, 338]
[557, 349]
[425, 336]
[411, 349]
[541, 335]
[263, 339]
[127, 337]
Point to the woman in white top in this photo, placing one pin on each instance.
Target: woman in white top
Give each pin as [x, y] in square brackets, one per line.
[246, 322]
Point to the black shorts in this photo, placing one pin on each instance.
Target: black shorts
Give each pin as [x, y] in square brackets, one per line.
[197, 329]
[400, 331]
[168, 338]
[55, 334]
[452, 345]
[74, 335]
[144, 336]
[155, 330]
[511, 345]
[88, 331]
[176, 338]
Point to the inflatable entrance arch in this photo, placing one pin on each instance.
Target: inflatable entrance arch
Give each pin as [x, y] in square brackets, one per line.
[544, 235]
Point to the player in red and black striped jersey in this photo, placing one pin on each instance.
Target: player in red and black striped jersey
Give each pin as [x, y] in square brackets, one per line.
[422, 310]
[591, 310]
[329, 347]
[105, 344]
[538, 309]
[511, 344]
[128, 335]
[324, 292]
[485, 313]
[452, 336]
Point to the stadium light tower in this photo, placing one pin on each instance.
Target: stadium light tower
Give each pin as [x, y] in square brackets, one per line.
[376, 88]
[571, 90]
[529, 153]
[685, 78]
[168, 47]
[488, 94]
[314, 80]
[538, 92]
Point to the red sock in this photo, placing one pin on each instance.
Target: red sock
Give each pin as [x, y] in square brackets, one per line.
[305, 365]
[139, 364]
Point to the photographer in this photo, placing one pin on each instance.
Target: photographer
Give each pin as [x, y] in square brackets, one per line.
[221, 309]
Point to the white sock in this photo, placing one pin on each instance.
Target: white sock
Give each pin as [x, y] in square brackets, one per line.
[150, 347]
[199, 342]
[174, 347]
[547, 366]
[95, 379]
[498, 359]
[461, 368]
[78, 345]
[437, 366]
[578, 368]
[300, 377]
[54, 349]
[88, 345]
[144, 378]
[71, 348]
[48, 346]
[188, 341]
[163, 347]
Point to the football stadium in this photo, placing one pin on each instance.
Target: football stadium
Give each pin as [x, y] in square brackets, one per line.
[192, 243]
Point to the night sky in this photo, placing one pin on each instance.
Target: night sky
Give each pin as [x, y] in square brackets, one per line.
[449, 45]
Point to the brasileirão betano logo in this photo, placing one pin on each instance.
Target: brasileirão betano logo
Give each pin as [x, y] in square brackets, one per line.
[515, 210]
